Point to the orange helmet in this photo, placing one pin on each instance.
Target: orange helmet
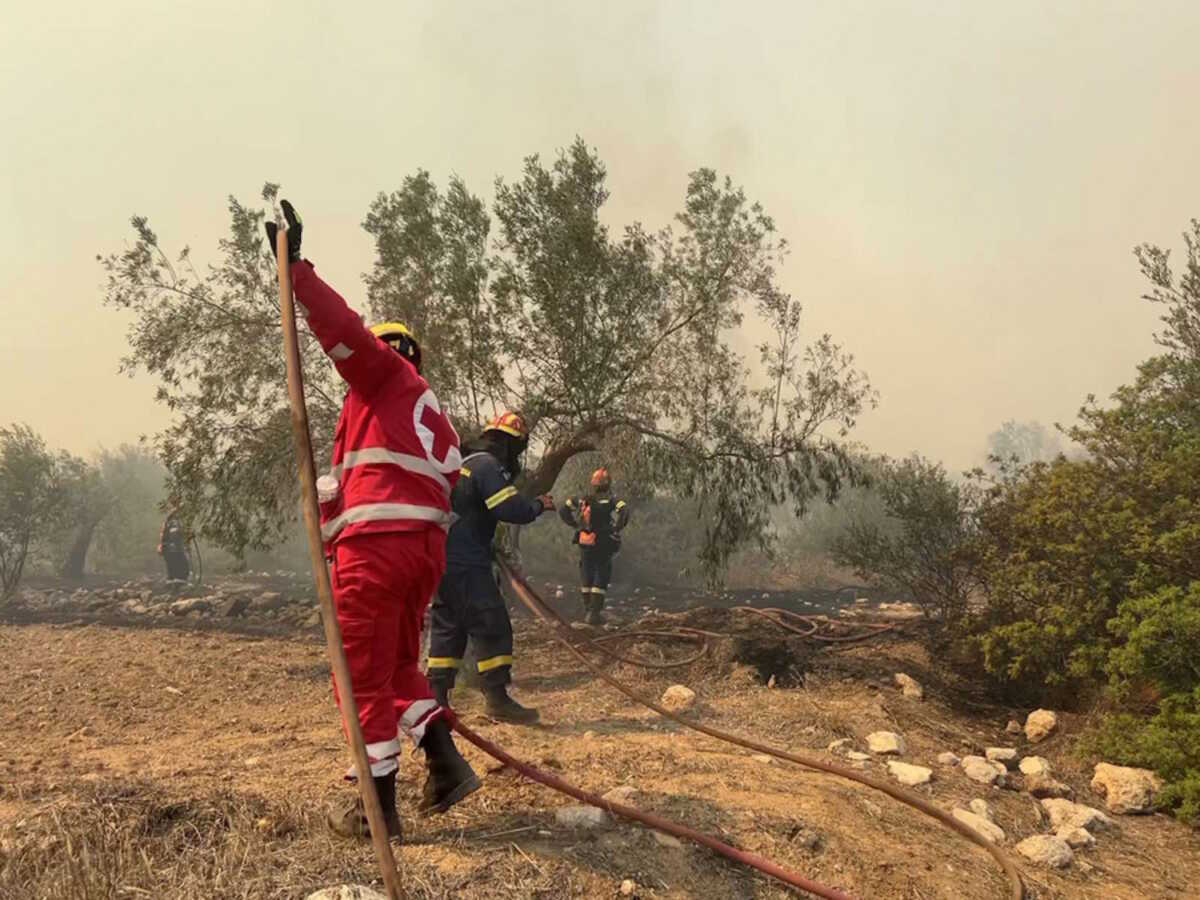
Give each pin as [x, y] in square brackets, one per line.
[601, 479]
[509, 423]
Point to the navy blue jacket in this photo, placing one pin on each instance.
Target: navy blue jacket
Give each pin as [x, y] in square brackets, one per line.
[483, 497]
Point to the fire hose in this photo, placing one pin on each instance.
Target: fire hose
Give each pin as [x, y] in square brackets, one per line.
[550, 617]
[647, 818]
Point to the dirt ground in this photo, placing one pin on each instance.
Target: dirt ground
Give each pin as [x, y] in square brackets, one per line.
[154, 762]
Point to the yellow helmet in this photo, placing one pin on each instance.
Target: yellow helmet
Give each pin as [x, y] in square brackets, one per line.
[397, 336]
[509, 423]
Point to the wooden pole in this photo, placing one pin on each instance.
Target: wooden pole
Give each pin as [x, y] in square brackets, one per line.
[302, 443]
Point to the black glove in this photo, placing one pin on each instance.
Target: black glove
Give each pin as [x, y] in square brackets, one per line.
[294, 228]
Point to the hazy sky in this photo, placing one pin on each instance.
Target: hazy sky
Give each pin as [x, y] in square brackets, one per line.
[962, 182]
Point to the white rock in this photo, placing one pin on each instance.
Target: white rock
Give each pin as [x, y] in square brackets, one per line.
[948, 759]
[908, 774]
[1006, 755]
[1064, 812]
[979, 769]
[623, 795]
[346, 892]
[1075, 837]
[678, 698]
[581, 817]
[1126, 790]
[858, 756]
[667, 840]
[909, 686]
[1034, 765]
[762, 758]
[1039, 724]
[1013, 727]
[885, 742]
[991, 832]
[980, 808]
[628, 887]
[1047, 850]
[1043, 786]
[839, 744]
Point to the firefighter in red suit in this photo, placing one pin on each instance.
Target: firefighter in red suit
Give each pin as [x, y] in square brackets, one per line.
[385, 509]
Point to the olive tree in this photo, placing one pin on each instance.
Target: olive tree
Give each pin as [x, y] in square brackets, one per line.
[601, 336]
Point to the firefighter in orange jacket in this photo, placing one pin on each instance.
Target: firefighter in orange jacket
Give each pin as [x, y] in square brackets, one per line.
[385, 509]
[597, 520]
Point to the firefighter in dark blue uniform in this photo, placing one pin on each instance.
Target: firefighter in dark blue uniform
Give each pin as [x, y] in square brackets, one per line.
[597, 520]
[468, 604]
[172, 546]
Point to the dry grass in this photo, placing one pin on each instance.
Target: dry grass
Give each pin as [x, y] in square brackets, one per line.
[166, 764]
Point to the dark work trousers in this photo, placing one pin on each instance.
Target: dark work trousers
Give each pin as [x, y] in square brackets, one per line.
[595, 571]
[468, 605]
[178, 567]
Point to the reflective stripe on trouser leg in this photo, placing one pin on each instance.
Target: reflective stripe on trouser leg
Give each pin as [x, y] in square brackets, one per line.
[447, 631]
[381, 586]
[486, 665]
[489, 628]
[418, 715]
[382, 756]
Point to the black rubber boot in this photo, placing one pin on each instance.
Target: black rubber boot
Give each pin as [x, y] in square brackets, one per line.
[441, 691]
[351, 820]
[594, 616]
[503, 707]
[451, 777]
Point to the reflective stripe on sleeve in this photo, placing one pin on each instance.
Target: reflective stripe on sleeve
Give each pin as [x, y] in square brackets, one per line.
[500, 496]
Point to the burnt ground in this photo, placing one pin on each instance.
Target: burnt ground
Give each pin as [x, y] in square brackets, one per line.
[180, 758]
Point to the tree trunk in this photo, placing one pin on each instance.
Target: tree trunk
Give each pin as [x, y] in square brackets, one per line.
[11, 571]
[72, 566]
[541, 480]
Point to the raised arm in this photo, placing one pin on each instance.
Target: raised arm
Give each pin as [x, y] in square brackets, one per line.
[360, 357]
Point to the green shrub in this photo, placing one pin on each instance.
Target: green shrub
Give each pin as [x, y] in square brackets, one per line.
[1168, 742]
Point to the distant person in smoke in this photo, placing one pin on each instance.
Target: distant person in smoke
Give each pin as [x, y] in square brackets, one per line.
[385, 508]
[172, 547]
[597, 519]
[469, 605]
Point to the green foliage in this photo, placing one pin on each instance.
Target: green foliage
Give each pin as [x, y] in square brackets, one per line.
[1167, 742]
[918, 546]
[213, 340]
[1063, 544]
[601, 337]
[1159, 640]
[1091, 567]
[431, 272]
[34, 500]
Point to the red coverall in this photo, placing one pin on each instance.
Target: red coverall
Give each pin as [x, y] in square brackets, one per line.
[396, 459]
